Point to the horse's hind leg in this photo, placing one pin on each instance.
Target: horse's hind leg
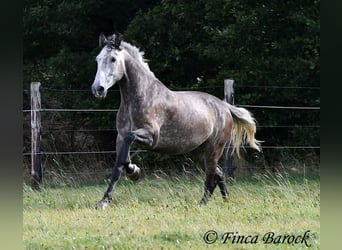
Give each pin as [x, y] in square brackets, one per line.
[220, 180]
[209, 186]
[211, 180]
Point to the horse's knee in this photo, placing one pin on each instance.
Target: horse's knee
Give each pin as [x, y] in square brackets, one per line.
[129, 138]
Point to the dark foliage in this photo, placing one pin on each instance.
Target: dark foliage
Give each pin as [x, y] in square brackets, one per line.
[189, 44]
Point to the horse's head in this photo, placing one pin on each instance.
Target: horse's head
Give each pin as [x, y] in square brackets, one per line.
[110, 65]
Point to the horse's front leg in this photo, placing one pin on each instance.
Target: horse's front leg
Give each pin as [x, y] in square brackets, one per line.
[145, 137]
[123, 160]
[116, 174]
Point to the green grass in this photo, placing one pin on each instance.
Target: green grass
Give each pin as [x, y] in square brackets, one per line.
[164, 214]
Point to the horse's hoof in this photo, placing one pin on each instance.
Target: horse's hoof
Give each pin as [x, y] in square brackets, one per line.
[231, 180]
[136, 173]
[102, 204]
[203, 202]
[35, 185]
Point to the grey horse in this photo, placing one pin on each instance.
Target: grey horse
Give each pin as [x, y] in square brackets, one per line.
[165, 121]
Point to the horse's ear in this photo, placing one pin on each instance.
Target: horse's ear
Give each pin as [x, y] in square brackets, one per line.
[117, 41]
[102, 39]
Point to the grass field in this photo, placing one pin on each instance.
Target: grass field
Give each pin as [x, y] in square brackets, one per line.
[164, 214]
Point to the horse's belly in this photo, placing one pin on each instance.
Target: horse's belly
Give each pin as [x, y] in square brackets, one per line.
[180, 140]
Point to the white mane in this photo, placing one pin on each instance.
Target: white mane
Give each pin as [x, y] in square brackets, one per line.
[137, 54]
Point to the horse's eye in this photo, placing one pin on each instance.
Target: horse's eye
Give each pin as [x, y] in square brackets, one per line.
[112, 59]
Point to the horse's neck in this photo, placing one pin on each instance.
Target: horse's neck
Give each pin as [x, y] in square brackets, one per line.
[137, 82]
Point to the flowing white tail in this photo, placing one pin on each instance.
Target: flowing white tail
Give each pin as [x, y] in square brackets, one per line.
[243, 130]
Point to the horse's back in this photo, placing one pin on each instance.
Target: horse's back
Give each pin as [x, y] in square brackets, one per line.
[206, 105]
[192, 118]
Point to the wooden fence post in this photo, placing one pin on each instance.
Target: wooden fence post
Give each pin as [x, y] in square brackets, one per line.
[229, 166]
[36, 162]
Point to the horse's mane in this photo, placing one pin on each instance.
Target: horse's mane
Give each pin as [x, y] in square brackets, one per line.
[135, 53]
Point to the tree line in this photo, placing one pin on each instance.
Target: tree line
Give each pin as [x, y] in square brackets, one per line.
[188, 44]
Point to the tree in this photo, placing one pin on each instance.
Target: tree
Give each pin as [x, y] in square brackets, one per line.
[189, 44]
[263, 43]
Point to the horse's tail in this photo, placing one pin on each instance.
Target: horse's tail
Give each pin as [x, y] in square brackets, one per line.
[243, 129]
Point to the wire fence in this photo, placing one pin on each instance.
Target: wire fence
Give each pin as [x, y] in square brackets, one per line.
[188, 88]
[115, 110]
[309, 108]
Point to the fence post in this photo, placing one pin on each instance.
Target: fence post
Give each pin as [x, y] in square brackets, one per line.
[229, 166]
[36, 163]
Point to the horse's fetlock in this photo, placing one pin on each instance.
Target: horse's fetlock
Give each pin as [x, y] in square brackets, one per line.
[134, 173]
[127, 167]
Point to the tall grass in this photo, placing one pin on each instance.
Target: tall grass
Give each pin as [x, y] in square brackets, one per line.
[163, 213]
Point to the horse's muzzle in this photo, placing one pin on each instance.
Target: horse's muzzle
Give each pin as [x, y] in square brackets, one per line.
[99, 91]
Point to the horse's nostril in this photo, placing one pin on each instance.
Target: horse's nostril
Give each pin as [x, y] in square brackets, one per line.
[100, 89]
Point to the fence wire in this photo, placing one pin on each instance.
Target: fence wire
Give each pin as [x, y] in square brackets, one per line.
[195, 88]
